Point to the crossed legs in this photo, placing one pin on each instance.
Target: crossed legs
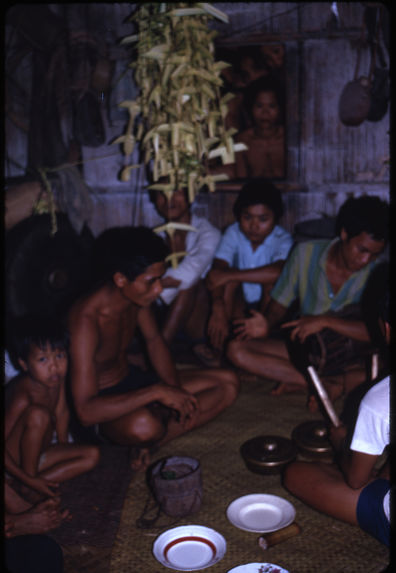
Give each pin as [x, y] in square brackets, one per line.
[215, 390]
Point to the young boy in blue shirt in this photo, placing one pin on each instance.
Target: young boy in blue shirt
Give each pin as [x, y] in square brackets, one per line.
[248, 261]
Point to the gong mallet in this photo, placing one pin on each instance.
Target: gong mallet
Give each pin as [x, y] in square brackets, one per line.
[324, 397]
[298, 352]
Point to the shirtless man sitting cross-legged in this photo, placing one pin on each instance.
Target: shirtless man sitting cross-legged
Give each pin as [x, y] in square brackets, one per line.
[131, 406]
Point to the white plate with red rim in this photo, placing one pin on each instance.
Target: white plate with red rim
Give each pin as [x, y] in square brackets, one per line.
[258, 568]
[189, 547]
[261, 512]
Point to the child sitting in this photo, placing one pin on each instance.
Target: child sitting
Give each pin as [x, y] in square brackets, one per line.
[36, 407]
[247, 262]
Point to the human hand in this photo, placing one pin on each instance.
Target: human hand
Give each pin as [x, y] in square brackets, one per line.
[304, 326]
[218, 329]
[170, 282]
[42, 485]
[184, 403]
[216, 278]
[254, 327]
[337, 436]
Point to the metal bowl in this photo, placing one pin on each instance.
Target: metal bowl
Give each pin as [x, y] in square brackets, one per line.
[268, 454]
[312, 439]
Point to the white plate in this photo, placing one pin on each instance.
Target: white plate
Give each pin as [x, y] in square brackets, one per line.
[258, 568]
[189, 547]
[261, 512]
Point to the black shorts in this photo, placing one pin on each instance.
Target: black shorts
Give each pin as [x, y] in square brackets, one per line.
[134, 380]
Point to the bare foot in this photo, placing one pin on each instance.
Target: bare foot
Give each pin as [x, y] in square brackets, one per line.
[207, 355]
[286, 388]
[139, 458]
[41, 518]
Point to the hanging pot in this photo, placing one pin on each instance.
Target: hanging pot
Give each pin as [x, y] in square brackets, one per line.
[355, 102]
[268, 454]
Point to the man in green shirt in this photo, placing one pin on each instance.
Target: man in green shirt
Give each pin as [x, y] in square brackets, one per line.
[326, 278]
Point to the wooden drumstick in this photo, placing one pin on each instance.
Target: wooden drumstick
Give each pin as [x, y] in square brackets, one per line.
[374, 366]
[324, 397]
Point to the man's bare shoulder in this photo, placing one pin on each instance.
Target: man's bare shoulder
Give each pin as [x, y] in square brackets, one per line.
[86, 310]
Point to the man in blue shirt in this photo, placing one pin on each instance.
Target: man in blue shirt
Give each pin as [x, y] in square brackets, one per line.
[248, 260]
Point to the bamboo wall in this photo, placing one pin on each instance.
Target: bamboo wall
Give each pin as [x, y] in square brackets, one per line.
[327, 161]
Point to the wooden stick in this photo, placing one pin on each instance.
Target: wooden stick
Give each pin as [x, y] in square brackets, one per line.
[324, 397]
[270, 539]
[374, 366]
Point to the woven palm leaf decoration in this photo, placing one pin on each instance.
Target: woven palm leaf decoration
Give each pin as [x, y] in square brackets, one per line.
[178, 117]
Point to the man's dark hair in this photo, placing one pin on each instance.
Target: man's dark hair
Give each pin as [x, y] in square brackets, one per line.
[365, 214]
[37, 330]
[259, 191]
[128, 250]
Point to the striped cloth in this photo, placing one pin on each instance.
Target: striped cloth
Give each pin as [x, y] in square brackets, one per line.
[304, 277]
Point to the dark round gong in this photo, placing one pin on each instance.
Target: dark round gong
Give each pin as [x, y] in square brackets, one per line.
[44, 272]
[268, 454]
[312, 439]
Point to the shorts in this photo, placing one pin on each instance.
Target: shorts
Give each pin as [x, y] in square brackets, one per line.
[134, 380]
[370, 510]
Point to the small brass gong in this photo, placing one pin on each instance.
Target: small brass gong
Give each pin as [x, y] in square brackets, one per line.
[268, 454]
[312, 439]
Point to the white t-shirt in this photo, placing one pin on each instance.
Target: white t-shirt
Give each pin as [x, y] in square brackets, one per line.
[372, 434]
[201, 246]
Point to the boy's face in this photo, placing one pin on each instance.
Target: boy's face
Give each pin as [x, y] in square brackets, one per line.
[265, 110]
[256, 223]
[46, 365]
[359, 251]
[145, 288]
[175, 208]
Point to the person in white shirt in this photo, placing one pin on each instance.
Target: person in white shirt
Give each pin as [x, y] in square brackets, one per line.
[183, 303]
[355, 490]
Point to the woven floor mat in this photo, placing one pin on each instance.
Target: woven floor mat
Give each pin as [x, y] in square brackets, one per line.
[324, 545]
[95, 500]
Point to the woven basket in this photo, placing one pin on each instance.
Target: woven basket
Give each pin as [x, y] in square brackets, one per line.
[177, 485]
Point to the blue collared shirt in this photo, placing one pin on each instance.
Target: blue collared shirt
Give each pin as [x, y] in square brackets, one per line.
[236, 249]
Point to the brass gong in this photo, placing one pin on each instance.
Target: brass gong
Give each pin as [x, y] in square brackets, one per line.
[268, 454]
[312, 439]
